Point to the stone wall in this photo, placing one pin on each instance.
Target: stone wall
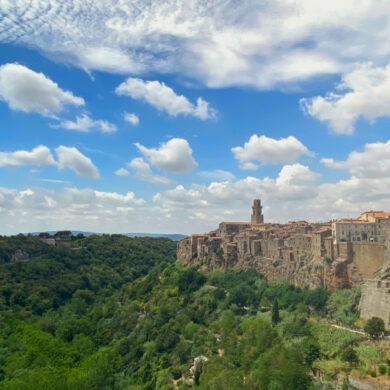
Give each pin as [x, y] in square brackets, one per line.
[375, 300]
[368, 258]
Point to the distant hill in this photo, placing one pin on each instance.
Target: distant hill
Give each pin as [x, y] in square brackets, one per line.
[173, 237]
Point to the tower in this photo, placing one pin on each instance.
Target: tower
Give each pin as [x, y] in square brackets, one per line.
[257, 217]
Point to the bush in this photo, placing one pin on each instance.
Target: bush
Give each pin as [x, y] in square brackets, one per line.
[382, 369]
[176, 373]
[372, 373]
[342, 305]
[375, 326]
[349, 355]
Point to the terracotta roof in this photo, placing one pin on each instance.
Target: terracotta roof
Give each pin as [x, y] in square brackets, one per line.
[377, 214]
[236, 223]
[323, 230]
[345, 220]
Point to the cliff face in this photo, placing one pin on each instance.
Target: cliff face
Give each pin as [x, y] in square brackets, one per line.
[338, 274]
[301, 253]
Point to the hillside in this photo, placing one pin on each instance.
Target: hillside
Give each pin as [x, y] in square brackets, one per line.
[120, 313]
[174, 237]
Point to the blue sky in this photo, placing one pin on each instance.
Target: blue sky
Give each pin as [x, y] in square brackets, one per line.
[278, 101]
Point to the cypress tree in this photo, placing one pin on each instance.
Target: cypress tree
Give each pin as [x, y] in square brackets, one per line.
[275, 313]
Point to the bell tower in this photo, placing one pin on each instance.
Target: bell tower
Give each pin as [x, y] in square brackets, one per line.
[257, 217]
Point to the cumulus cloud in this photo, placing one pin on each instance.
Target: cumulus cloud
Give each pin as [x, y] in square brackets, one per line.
[217, 174]
[293, 182]
[295, 193]
[28, 91]
[39, 209]
[174, 155]
[294, 186]
[143, 172]
[122, 172]
[363, 93]
[373, 162]
[131, 118]
[72, 158]
[40, 155]
[85, 123]
[268, 151]
[164, 98]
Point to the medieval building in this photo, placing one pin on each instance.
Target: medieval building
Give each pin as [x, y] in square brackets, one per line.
[334, 254]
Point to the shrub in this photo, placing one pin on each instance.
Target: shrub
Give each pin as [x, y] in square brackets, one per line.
[382, 369]
[372, 373]
[375, 326]
[349, 355]
[176, 373]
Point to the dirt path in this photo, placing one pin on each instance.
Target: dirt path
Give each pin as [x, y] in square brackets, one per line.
[348, 329]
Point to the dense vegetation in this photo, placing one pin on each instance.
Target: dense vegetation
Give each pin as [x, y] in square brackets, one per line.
[119, 313]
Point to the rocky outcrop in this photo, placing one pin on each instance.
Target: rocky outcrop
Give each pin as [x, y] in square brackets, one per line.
[19, 256]
[303, 254]
[309, 272]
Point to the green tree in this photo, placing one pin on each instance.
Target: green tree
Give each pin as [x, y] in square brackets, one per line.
[275, 313]
[349, 355]
[375, 326]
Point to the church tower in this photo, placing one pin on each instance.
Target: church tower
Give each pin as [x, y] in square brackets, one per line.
[257, 217]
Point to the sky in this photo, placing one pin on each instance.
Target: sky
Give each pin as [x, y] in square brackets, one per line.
[172, 116]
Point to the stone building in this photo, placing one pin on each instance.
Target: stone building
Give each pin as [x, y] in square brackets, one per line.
[333, 254]
[345, 230]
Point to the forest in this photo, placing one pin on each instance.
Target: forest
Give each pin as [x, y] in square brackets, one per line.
[115, 312]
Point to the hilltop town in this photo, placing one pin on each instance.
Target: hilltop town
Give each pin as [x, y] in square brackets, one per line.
[335, 254]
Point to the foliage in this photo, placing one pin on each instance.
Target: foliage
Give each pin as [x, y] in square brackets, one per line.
[119, 313]
[275, 313]
[342, 305]
[350, 355]
[375, 327]
[382, 369]
[368, 355]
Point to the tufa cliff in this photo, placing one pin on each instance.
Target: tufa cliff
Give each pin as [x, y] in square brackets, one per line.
[335, 254]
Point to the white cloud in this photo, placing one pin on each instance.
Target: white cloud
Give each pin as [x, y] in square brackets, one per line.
[28, 91]
[294, 194]
[39, 209]
[131, 118]
[108, 59]
[85, 123]
[295, 185]
[174, 156]
[269, 151]
[164, 98]
[70, 157]
[129, 197]
[373, 162]
[217, 174]
[363, 93]
[293, 182]
[122, 172]
[220, 44]
[143, 172]
[40, 155]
